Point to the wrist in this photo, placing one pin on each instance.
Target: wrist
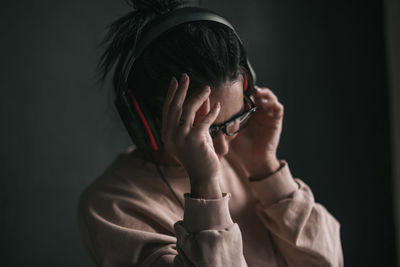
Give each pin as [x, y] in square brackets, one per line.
[205, 188]
[264, 168]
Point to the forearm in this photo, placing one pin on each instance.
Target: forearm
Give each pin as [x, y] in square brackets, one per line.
[306, 234]
[304, 231]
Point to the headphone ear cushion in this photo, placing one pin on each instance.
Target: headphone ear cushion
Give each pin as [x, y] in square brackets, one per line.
[149, 126]
[248, 83]
[138, 121]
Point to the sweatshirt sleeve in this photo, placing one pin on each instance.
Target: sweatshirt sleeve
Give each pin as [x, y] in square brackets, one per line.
[304, 232]
[207, 236]
[119, 233]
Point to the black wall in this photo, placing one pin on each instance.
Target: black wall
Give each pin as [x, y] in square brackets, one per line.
[325, 60]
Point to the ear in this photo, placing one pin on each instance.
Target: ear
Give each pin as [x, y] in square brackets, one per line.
[202, 111]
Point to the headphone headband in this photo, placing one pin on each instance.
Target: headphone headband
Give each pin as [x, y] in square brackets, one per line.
[158, 26]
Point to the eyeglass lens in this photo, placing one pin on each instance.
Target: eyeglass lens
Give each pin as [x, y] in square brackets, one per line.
[237, 124]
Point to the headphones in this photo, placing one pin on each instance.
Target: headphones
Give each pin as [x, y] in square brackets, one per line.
[136, 116]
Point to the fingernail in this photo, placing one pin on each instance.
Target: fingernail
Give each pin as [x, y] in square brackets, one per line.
[207, 88]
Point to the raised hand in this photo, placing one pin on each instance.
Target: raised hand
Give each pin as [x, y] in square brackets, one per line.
[190, 142]
[260, 139]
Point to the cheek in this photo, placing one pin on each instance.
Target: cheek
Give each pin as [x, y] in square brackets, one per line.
[230, 138]
[217, 142]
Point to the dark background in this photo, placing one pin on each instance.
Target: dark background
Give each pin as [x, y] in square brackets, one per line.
[325, 60]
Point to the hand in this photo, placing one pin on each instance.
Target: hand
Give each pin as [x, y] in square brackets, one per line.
[186, 137]
[260, 139]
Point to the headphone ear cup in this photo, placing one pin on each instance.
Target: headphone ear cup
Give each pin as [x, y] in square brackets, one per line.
[153, 135]
[253, 75]
[249, 79]
[138, 121]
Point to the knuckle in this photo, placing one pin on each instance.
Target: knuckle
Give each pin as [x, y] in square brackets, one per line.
[203, 145]
[269, 92]
[175, 107]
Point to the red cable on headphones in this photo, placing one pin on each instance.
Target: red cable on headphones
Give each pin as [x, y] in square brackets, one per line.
[246, 82]
[144, 121]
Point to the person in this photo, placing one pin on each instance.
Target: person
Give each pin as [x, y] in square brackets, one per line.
[213, 193]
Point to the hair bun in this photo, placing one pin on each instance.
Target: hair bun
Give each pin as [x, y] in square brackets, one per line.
[155, 6]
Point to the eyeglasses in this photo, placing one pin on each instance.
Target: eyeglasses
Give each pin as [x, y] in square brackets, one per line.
[237, 123]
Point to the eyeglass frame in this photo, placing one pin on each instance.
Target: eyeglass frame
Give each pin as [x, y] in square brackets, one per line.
[222, 126]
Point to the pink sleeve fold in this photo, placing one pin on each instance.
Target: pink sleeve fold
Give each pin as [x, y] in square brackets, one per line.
[304, 232]
[207, 235]
[118, 232]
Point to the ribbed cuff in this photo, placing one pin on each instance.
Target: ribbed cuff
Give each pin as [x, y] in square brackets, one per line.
[207, 214]
[275, 187]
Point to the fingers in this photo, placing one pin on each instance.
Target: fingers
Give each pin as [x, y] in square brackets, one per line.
[178, 109]
[178, 112]
[175, 109]
[265, 92]
[193, 105]
[267, 101]
[170, 94]
[274, 109]
[209, 119]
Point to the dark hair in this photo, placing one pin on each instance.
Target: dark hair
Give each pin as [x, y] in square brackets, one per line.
[210, 53]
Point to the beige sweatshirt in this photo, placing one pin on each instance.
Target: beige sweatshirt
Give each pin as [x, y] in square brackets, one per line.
[129, 217]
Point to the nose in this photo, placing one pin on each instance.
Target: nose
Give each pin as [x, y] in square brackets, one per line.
[221, 144]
